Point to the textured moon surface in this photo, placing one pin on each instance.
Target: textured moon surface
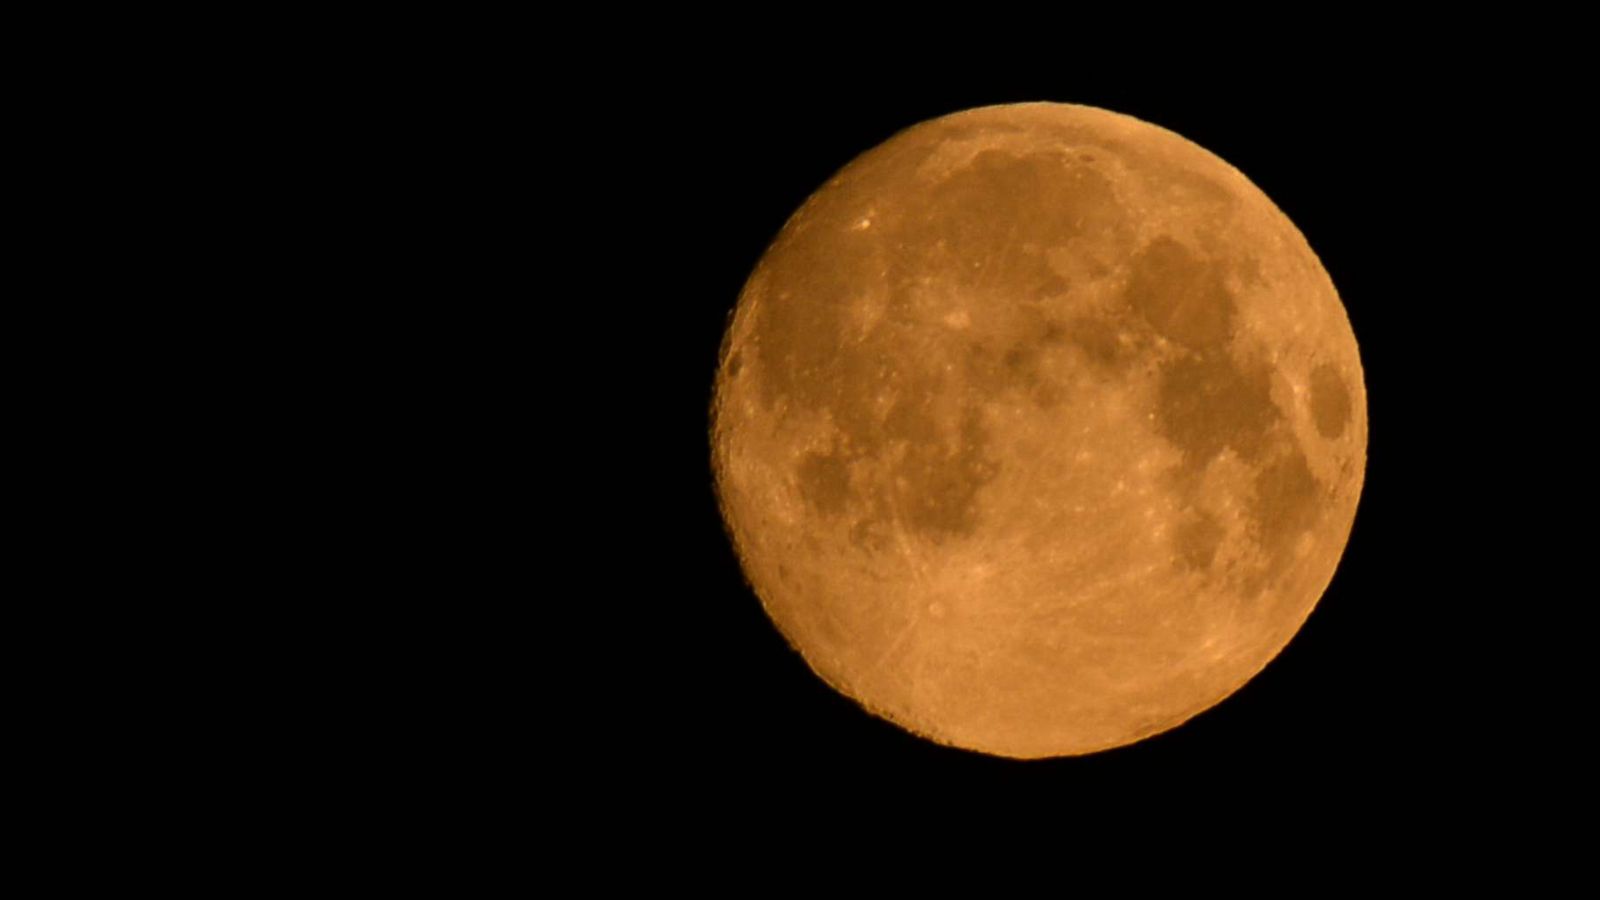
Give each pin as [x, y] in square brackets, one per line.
[1038, 430]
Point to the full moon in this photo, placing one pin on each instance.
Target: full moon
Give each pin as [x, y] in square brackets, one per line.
[1038, 430]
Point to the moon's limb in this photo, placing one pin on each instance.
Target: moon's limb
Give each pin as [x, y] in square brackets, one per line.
[1039, 430]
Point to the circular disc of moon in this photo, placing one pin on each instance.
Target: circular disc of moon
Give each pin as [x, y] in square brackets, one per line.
[1039, 430]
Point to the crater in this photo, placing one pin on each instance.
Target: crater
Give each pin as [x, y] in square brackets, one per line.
[800, 329]
[910, 418]
[1197, 539]
[1191, 188]
[1100, 341]
[1330, 401]
[1052, 285]
[937, 484]
[1210, 402]
[1020, 361]
[1183, 296]
[825, 482]
[1286, 502]
[990, 219]
[869, 533]
[1016, 368]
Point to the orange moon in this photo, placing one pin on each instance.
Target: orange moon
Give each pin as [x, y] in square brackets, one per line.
[1038, 430]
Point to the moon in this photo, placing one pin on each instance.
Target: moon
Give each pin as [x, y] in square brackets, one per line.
[1038, 430]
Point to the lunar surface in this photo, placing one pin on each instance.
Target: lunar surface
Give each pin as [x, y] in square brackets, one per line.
[1039, 430]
